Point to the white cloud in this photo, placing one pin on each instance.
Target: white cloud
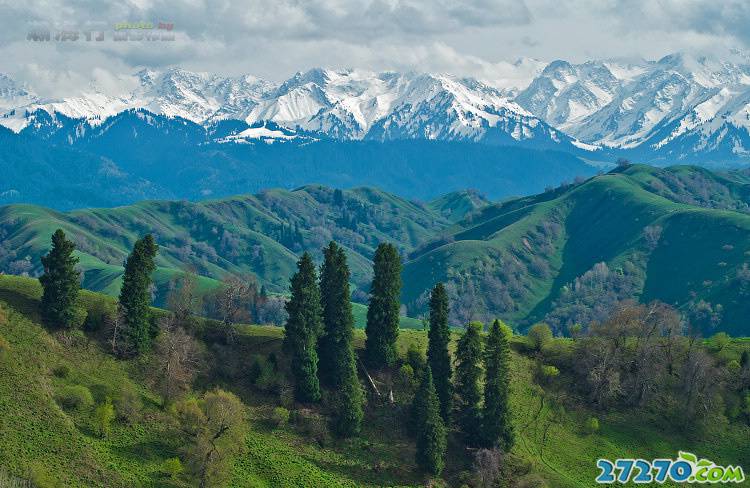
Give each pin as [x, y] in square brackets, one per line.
[274, 38]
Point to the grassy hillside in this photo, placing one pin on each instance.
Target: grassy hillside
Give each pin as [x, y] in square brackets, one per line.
[529, 258]
[57, 446]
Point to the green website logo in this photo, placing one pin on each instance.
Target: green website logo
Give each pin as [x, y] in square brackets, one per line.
[687, 468]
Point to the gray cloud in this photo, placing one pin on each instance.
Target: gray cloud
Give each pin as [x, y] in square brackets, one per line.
[273, 38]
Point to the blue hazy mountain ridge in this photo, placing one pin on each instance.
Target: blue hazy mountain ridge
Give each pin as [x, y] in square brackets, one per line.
[137, 155]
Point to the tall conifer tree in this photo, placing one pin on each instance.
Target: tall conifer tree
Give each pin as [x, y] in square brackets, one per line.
[468, 377]
[302, 329]
[438, 356]
[430, 429]
[335, 343]
[337, 368]
[135, 297]
[497, 426]
[385, 303]
[61, 283]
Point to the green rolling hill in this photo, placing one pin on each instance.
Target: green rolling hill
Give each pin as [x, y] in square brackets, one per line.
[566, 256]
[680, 235]
[259, 234]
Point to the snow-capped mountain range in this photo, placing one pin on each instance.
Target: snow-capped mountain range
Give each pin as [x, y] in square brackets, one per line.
[677, 109]
[345, 105]
[694, 105]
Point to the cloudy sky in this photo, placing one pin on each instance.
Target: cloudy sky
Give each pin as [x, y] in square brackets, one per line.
[274, 38]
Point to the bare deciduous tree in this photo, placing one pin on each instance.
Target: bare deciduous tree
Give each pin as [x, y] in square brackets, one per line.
[183, 299]
[178, 360]
[234, 303]
[699, 384]
[630, 354]
[114, 332]
[487, 464]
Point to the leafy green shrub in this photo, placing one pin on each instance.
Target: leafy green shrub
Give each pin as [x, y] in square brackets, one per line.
[62, 371]
[550, 371]
[591, 426]
[734, 405]
[41, 477]
[547, 373]
[719, 341]
[415, 358]
[539, 337]
[172, 467]
[575, 330]
[103, 417]
[280, 416]
[214, 429]
[75, 397]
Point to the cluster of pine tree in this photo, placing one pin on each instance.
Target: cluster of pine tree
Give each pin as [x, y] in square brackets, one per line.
[482, 417]
[318, 338]
[320, 327]
[133, 329]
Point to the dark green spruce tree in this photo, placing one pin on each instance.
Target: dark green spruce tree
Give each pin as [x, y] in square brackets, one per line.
[438, 356]
[136, 329]
[302, 329]
[335, 343]
[337, 368]
[497, 428]
[61, 283]
[385, 302]
[468, 377]
[430, 429]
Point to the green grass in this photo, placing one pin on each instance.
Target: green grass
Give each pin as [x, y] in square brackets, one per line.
[360, 318]
[39, 438]
[38, 435]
